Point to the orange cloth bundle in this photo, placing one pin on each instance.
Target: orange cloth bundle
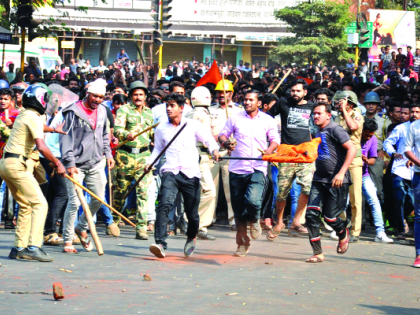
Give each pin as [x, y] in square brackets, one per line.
[306, 152]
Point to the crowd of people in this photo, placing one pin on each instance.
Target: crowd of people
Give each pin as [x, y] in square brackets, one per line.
[204, 139]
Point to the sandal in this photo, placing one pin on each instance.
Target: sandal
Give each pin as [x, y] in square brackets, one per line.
[314, 259]
[272, 234]
[76, 240]
[70, 250]
[53, 240]
[86, 242]
[171, 233]
[342, 247]
[297, 230]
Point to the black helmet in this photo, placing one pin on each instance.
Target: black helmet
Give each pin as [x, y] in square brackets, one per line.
[36, 97]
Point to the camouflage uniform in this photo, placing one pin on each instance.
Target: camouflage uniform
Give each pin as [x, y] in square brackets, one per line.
[131, 165]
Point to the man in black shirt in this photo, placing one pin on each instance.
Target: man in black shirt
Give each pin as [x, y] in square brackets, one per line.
[331, 181]
[295, 113]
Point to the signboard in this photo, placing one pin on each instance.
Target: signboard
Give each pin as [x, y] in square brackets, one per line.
[369, 42]
[5, 36]
[229, 11]
[394, 28]
[352, 29]
[69, 44]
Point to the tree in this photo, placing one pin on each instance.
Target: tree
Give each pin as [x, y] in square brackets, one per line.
[46, 28]
[319, 33]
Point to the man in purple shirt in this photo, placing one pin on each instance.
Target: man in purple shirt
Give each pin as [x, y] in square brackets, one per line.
[369, 145]
[251, 129]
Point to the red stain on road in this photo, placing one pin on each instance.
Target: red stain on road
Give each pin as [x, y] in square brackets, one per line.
[202, 259]
[398, 277]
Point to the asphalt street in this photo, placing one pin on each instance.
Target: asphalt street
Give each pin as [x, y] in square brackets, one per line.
[273, 278]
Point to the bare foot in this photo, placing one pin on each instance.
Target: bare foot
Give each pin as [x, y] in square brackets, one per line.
[315, 259]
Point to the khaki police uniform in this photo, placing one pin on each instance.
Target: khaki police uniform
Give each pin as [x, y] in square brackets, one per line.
[25, 189]
[356, 170]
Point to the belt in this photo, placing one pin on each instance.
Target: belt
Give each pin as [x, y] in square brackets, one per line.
[133, 150]
[14, 155]
[417, 173]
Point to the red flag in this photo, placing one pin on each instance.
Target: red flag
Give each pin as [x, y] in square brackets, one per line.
[212, 76]
[308, 81]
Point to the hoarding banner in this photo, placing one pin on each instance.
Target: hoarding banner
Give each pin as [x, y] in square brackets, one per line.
[394, 28]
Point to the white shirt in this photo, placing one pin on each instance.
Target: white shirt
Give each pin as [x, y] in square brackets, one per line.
[412, 141]
[182, 155]
[397, 137]
[101, 68]
[160, 114]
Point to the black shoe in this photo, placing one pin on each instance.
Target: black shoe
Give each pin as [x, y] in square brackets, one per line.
[37, 254]
[205, 236]
[189, 247]
[8, 225]
[157, 250]
[15, 254]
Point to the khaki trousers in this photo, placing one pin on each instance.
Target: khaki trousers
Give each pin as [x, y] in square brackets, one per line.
[34, 166]
[207, 206]
[356, 173]
[216, 169]
[27, 193]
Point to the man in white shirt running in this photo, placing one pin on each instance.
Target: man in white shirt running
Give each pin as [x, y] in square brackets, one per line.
[180, 173]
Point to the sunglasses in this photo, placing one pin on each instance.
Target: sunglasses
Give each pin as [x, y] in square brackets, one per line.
[164, 88]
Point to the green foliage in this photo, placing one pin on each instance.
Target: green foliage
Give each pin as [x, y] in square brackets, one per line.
[47, 28]
[319, 33]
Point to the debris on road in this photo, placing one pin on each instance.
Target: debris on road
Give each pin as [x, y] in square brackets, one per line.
[58, 291]
[146, 277]
[234, 293]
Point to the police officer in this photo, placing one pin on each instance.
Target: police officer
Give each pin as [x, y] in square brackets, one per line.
[219, 118]
[352, 122]
[28, 130]
[201, 99]
[131, 157]
[376, 171]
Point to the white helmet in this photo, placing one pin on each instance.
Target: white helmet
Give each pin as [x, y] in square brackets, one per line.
[201, 96]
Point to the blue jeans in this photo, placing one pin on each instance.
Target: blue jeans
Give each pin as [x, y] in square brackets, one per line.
[402, 190]
[274, 175]
[104, 211]
[416, 190]
[294, 195]
[369, 191]
[246, 191]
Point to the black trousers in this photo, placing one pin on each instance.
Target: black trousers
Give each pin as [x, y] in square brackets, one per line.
[56, 197]
[190, 190]
[330, 202]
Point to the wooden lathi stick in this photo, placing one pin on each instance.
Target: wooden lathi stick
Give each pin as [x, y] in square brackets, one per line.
[99, 199]
[135, 136]
[282, 80]
[88, 215]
